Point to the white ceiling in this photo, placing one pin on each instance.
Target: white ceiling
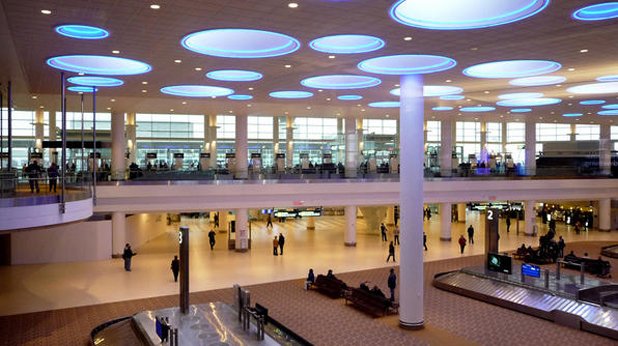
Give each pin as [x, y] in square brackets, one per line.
[138, 32]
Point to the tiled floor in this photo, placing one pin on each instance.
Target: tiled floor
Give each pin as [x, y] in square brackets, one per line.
[29, 288]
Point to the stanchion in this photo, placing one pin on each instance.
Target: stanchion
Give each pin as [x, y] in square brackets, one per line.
[558, 270]
[581, 273]
[546, 278]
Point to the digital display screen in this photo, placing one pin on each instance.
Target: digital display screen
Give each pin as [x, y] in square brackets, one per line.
[499, 263]
[531, 270]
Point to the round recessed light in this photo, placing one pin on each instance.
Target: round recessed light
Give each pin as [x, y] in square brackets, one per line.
[95, 81]
[512, 69]
[287, 66]
[602, 11]
[178, 61]
[609, 78]
[196, 91]
[609, 112]
[596, 88]
[291, 94]
[82, 89]
[234, 75]
[531, 102]
[115, 52]
[48, 12]
[293, 5]
[346, 44]
[155, 6]
[479, 109]
[513, 96]
[98, 65]
[591, 102]
[442, 108]
[452, 97]
[385, 104]
[343, 81]
[349, 97]
[407, 38]
[144, 82]
[239, 97]
[83, 32]
[407, 64]
[521, 110]
[537, 81]
[198, 68]
[463, 14]
[240, 43]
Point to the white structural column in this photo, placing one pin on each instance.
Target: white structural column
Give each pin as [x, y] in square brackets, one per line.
[350, 225]
[212, 140]
[445, 221]
[411, 314]
[461, 212]
[446, 148]
[222, 221]
[605, 210]
[131, 132]
[605, 147]
[39, 130]
[242, 160]
[530, 147]
[530, 217]
[242, 230]
[289, 142]
[360, 139]
[573, 132]
[275, 136]
[52, 136]
[119, 233]
[351, 148]
[390, 216]
[484, 144]
[341, 146]
[118, 146]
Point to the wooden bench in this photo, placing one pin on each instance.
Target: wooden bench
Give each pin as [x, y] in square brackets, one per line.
[370, 303]
[331, 287]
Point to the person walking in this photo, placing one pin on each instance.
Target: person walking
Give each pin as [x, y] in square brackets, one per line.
[269, 221]
[462, 243]
[310, 279]
[275, 246]
[281, 243]
[211, 239]
[392, 283]
[391, 252]
[561, 246]
[127, 254]
[508, 223]
[383, 230]
[34, 172]
[396, 235]
[216, 219]
[471, 234]
[428, 214]
[52, 174]
[425, 241]
[175, 267]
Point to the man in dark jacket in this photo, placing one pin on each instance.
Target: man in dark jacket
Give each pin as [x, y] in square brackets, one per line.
[52, 174]
[471, 234]
[281, 243]
[175, 267]
[127, 254]
[34, 172]
[392, 283]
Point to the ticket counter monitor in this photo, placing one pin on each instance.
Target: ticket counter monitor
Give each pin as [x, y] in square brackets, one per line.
[327, 158]
[179, 159]
[256, 162]
[304, 160]
[151, 158]
[204, 161]
[38, 157]
[280, 162]
[230, 162]
[393, 164]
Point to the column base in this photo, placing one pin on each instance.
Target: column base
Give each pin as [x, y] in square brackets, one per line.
[411, 326]
[390, 224]
[241, 250]
[529, 235]
[309, 228]
[445, 239]
[605, 230]
[350, 244]
[117, 255]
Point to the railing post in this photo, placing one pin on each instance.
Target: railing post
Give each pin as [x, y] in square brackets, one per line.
[581, 273]
[558, 270]
[546, 278]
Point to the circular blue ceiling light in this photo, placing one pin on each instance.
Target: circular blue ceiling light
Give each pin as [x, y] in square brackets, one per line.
[610, 78]
[442, 108]
[407, 64]
[452, 97]
[196, 91]
[82, 32]
[595, 88]
[240, 97]
[95, 81]
[433, 90]
[521, 110]
[607, 10]
[385, 104]
[611, 106]
[98, 65]
[81, 89]
[240, 43]
[349, 97]
[346, 44]
[463, 14]
[291, 94]
[340, 81]
[572, 114]
[477, 109]
[513, 96]
[234, 75]
[538, 81]
[512, 69]
[609, 112]
[533, 102]
[591, 102]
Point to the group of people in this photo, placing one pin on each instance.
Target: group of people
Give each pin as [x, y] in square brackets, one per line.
[35, 172]
[278, 243]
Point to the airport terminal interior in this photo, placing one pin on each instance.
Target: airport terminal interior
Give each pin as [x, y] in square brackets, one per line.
[453, 163]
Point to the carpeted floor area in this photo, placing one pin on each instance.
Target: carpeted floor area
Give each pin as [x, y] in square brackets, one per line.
[450, 319]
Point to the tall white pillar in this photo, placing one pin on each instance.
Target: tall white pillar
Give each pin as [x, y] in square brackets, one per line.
[351, 148]
[289, 142]
[275, 136]
[360, 138]
[222, 221]
[39, 129]
[242, 160]
[411, 314]
[484, 144]
[350, 225]
[119, 233]
[605, 211]
[341, 141]
[530, 217]
[530, 147]
[212, 140]
[605, 147]
[461, 212]
[445, 221]
[118, 146]
[131, 131]
[242, 230]
[390, 216]
[446, 148]
[52, 136]
[573, 132]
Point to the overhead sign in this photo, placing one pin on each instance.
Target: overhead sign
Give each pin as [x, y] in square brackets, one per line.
[179, 155]
[151, 155]
[230, 155]
[204, 155]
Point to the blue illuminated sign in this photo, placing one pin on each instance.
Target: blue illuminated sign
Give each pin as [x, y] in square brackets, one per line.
[512, 68]
[240, 43]
[340, 81]
[346, 44]
[591, 102]
[83, 32]
[349, 97]
[607, 10]
[442, 108]
[407, 64]
[291, 94]
[572, 114]
[240, 97]
[521, 110]
[196, 91]
[95, 81]
[234, 75]
[477, 109]
[385, 104]
[531, 270]
[98, 65]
